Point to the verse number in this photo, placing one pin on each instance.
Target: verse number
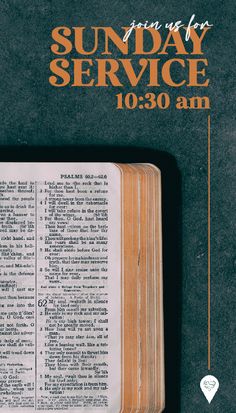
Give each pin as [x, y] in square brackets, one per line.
[42, 302]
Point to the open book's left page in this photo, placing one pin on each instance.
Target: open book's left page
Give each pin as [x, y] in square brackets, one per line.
[60, 275]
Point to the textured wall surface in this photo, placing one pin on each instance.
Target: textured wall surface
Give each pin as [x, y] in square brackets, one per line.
[45, 123]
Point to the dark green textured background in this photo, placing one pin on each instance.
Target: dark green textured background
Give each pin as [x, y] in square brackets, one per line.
[45, 123]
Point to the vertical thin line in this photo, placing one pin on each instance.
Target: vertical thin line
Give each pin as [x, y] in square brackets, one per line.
[209, 242]
[139, 299]
[36, 293]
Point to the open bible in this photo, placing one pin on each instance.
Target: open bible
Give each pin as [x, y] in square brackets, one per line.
[81, 301]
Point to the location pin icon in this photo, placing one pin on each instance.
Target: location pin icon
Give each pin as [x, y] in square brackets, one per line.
[209, 386]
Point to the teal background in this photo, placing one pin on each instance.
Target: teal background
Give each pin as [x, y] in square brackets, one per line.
[39, 122]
